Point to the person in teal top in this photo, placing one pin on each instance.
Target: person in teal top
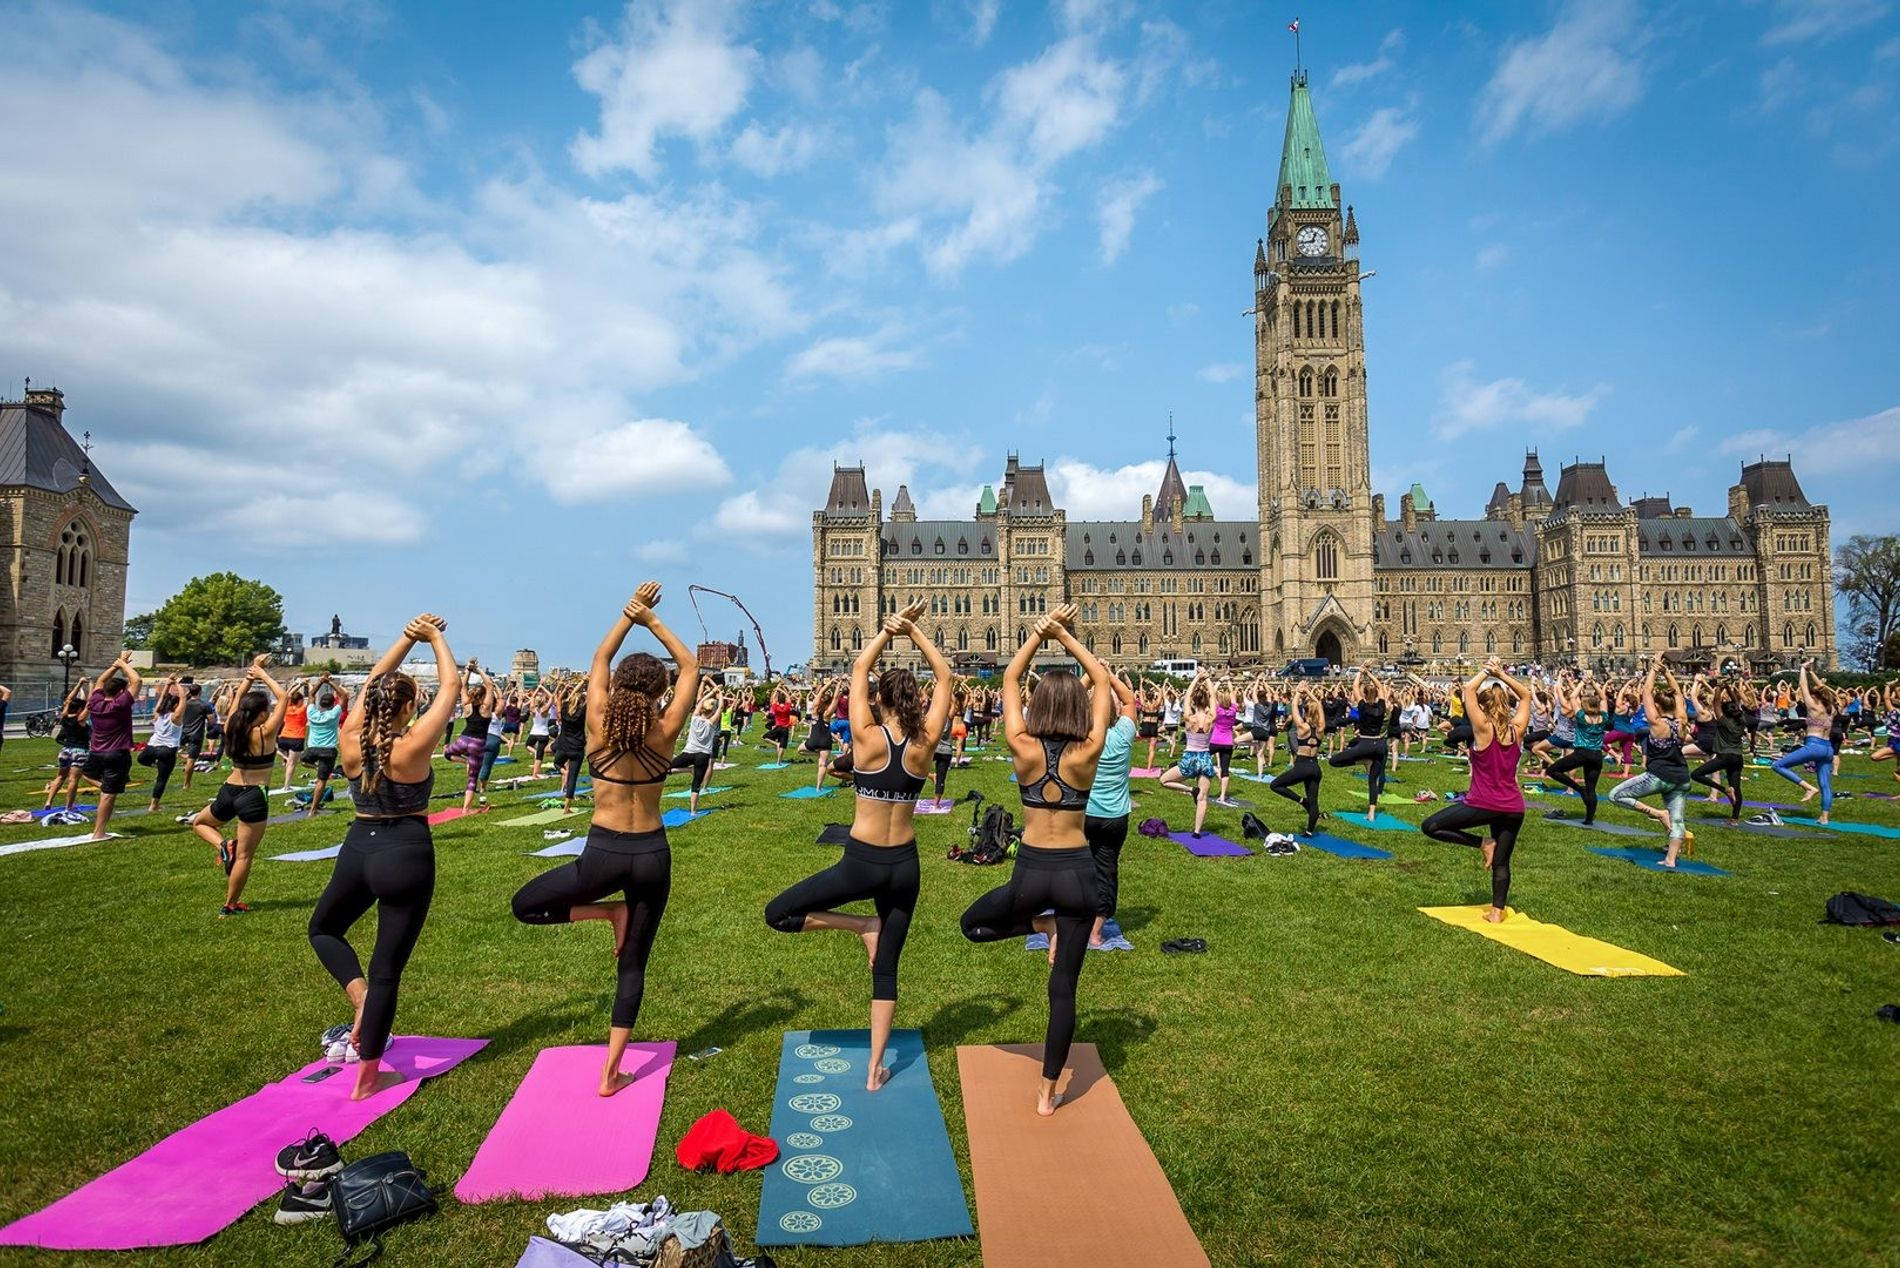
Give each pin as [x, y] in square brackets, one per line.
[324, 716]
[1105, 823]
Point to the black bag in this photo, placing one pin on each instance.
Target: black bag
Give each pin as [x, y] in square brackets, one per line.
[1852, 908]
[375, 1195]
[993, 836]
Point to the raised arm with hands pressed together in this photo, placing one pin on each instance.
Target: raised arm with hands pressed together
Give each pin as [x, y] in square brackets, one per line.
[1665, 769]
[1499, 709]
[250, 740]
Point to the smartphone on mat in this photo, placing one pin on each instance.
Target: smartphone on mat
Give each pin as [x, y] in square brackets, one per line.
[320, 1075]
[703, 1053]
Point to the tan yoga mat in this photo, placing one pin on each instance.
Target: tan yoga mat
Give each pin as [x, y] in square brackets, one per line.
[1077, 1190]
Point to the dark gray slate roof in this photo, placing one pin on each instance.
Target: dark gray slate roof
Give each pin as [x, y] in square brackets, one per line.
[1454, 544]
[1204, 545]
[919, 540]
[1699, 535]
[37, 452]
[1771, 483]
[1586, 485]
[849, 497]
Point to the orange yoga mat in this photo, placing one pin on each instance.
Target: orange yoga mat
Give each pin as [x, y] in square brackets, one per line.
[1077, 1190]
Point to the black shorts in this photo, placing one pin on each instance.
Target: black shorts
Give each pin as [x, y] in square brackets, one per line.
[538, 744]
[819, 741]
[192, 748]
[1534, 738]
[285, 744]
[1148, 730]
[243, 802]
[109, 770]
[1261, 734]
[777, 735]
[322, 760]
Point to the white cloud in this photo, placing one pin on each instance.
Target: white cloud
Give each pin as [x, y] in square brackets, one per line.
[1856, 446]
[344, 516]
[1371, 149]
[646, 455]
[1089, 492]
[1584, 68]
[1223, 371]
[1360, 72]
[780, 509]
[1491, 255]
[771, 153]
[674, 69]
[1824, 20]
[1467, 405]
[662, 551]
[852, 357]
[1115, 212]
[1065, 100]
[983, 15]
[1682, 438]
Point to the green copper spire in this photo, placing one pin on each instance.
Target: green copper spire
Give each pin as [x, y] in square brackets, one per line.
[987, 504]
[1302, 157]
[1197, 507]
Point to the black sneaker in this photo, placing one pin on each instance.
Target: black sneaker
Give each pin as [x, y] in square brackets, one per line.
[303, 1203]
[312, 1158]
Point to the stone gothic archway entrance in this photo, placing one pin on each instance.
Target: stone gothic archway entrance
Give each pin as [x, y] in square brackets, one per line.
[1328, 647]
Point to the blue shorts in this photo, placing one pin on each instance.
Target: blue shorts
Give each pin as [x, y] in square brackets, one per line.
[841, 727]
[1197, 766]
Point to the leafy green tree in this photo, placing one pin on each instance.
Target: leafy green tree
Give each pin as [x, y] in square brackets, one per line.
[138, 632]
[1867, 571]
[222, 619]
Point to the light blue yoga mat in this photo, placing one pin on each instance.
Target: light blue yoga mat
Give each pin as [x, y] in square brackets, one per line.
[1384, 823]
[1343, 848]
[808, 792]
[561, 849]
[308, 856]
[1859, 829]
[857, 1166]
[704, 792]
[677, 818]
[775, 766]
[1113, 939]
[1652, 860]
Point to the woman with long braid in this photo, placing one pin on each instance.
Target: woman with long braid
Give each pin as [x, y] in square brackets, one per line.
[1494, 801]
[250, 741]
[388, 857]
[1306, 728]
[630, 751]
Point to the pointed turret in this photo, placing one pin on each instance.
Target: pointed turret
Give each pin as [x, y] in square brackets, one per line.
[1304, 180]
[903, 510]
[1533, 492]
[986, 504]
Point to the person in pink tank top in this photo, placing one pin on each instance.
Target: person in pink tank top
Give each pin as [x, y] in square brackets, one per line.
[1494, 801]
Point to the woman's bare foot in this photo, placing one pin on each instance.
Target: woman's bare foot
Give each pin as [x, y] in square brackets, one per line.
[1488, 849]
[1494, 914]
[872, 927]
[1808, 793]
[1047, 1102]
[1047, 925]
[617, 917]
[879, 1076]
[612, 1081]
[372, 1080]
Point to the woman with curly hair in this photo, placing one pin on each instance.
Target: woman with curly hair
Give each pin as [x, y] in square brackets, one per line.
[892, 746]
[630, 752]
[250, 741]
[388, 857]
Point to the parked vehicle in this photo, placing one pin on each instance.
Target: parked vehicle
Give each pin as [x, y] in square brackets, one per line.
[1307, 667]
[1178, 668]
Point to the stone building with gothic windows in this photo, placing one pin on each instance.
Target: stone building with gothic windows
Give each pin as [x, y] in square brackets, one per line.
[1318, 570]
[67, 534]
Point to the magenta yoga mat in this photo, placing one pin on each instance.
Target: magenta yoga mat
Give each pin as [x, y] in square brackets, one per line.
[204, 1177]
[558, 1137]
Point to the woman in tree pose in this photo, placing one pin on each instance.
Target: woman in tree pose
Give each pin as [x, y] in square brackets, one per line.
[1055, 745]
[322, 718]
[541, 714]
[1221, 741]
[1148, 718]
[818, 742]
[1890, 752]
[570, 746]
[1499, 707]
[296, 729]
[702, 741]
[1105, 822]
[161, 747]
[780, 715]
[1583, 705]
[890, 758]
[1305, 730]
[1665, 771]
[388, 857]
[250, 741]
[1371, 746]
[479, 742]
[1820, 704]
[1197, 760]
[1263, 726]
[1728, 740]
[74, 736]
[630, 751]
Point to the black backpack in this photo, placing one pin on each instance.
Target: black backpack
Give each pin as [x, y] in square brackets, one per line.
[1852, 908]
[993, 836]
[374, 1195]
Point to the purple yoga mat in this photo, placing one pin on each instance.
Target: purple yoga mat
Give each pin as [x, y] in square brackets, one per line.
[931, 806]
[1209, 846]
[558, 1137]
[203, 1178]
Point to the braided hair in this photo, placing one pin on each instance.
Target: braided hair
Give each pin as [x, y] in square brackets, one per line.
[633, 700]
[386, 699]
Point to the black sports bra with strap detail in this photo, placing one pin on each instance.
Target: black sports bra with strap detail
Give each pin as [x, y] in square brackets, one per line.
[892, 782]
[1068, 796]
[653, 767]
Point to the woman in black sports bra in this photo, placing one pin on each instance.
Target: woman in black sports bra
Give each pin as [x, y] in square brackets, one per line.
[388, 858]
[250, 741]
[892, 761]
[629, 752]
[1305, 731]
[1055, 746]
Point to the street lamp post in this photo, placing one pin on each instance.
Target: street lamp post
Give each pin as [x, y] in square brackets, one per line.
[67, 655]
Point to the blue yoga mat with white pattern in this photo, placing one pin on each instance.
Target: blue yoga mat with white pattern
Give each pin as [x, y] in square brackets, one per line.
[857, 1166]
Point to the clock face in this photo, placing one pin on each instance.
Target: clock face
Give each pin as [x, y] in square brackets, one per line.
[1311, 240]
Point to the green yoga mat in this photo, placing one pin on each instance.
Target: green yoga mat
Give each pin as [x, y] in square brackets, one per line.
[539, 816]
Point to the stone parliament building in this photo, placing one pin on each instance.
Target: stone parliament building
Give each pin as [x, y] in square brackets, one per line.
[1574, 575]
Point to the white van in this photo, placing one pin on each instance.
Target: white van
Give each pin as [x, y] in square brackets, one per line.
[1179, 668]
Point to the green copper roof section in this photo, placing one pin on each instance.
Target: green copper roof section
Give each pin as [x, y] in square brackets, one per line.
[1196, 506]
[1302, 157]
[1420, 502]
[987, 504]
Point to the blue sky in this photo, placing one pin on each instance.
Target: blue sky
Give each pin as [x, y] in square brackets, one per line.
[497, 309]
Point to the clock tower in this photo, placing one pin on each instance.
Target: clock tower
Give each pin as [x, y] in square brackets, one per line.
[1316, 512]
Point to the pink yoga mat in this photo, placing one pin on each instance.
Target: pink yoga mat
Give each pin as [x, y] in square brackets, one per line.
[1145, 772]
[559, 1137]
[443, 816]
[203, 1178]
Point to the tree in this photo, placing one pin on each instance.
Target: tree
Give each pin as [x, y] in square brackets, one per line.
[138, 632]
[222, 619]
[1867, 571]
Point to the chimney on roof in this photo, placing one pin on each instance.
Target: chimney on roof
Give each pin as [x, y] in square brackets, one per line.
[1147, 513]
[48, 400]
[877, 506]
[1174, 516]
[1514, 510]
[1378, 511]
[1684, 513]
[1408, 515]
[1738, 502]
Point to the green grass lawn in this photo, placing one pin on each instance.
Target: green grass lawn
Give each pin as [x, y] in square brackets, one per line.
[1338, 1079]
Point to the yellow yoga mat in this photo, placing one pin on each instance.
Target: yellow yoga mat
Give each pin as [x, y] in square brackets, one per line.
[1554, 944]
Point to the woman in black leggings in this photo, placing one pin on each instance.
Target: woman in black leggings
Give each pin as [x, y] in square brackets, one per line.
[1370, 745]
[1728, 738]
[570, 745]
[1588, 721]
[630, 748]
[891, 749]
[1305, 729]
[388, 858]
[1055, 746]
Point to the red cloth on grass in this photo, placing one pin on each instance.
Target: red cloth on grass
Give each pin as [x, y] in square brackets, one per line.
[717, 1141]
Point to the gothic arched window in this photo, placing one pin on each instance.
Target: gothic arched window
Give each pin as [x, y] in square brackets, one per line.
[1306, 381]
[1326, 558]
[77, 635]
[1335, 319]
[1329, 385]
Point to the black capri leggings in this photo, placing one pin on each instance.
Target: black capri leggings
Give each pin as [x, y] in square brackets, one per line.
[1723, 764]
[886, 875]
[1224, 757]
[1590, 762]
[1501, 826]
[389, 865]
[1105, 837]
[571, 778]
[1044, 878]
[1372, 750]
[163, 760]
[940, 766]
[1305, 772]
[698, 763]
[636, 864]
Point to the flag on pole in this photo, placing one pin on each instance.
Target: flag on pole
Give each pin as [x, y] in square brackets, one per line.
[1294, 26]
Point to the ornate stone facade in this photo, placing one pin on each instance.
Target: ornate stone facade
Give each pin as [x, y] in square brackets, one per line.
[1575, 576]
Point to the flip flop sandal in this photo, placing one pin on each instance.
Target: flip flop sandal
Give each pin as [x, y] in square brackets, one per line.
[1180, 946]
